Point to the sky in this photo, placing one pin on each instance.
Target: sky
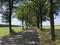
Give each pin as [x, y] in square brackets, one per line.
[46, 23]
[14, 21]
[56, 21]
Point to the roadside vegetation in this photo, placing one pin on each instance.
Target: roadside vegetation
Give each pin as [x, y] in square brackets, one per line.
[45, 36]
[4, 31]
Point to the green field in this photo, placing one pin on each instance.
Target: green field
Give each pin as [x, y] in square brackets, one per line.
[5, 30]
[47, 27]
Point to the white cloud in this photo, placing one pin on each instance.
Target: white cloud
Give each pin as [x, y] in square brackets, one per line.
[56, 22]
[16, 22]
[46, 23]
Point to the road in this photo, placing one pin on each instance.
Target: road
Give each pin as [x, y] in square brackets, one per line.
[27, 37]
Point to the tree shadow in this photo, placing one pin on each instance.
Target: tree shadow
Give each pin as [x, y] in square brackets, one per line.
[27, 37]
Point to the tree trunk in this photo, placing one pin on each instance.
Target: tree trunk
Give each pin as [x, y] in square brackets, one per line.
[22, 25]
[41, 23]
[40, 13]
[52, 28]
[40, 18]
[26, 25]
[10, 13]
[52, 20]
[27, 21]
[38, 22]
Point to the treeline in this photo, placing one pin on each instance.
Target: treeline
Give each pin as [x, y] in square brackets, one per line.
[31, 12]
[2, 25]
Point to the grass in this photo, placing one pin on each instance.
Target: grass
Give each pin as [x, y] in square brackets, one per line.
[45, 36]
[47, 27]
[5, 30]
[17, 29]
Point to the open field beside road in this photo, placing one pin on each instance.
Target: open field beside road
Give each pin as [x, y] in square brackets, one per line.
[5, 30]
[47, 27]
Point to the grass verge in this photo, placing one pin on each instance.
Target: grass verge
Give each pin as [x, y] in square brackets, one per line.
[45, 38]
[4, 31]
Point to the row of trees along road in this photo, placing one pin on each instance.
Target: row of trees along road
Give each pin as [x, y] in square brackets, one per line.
[32, 12]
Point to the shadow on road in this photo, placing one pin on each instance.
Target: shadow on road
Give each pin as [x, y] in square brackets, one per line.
[27, 37]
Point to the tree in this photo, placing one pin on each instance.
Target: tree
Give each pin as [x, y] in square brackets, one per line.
[7, 14]
[52, 20]
[36, 3]
[52, 9]
[10, 13]
[40, 12]
[24, 12]
[20, 12]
